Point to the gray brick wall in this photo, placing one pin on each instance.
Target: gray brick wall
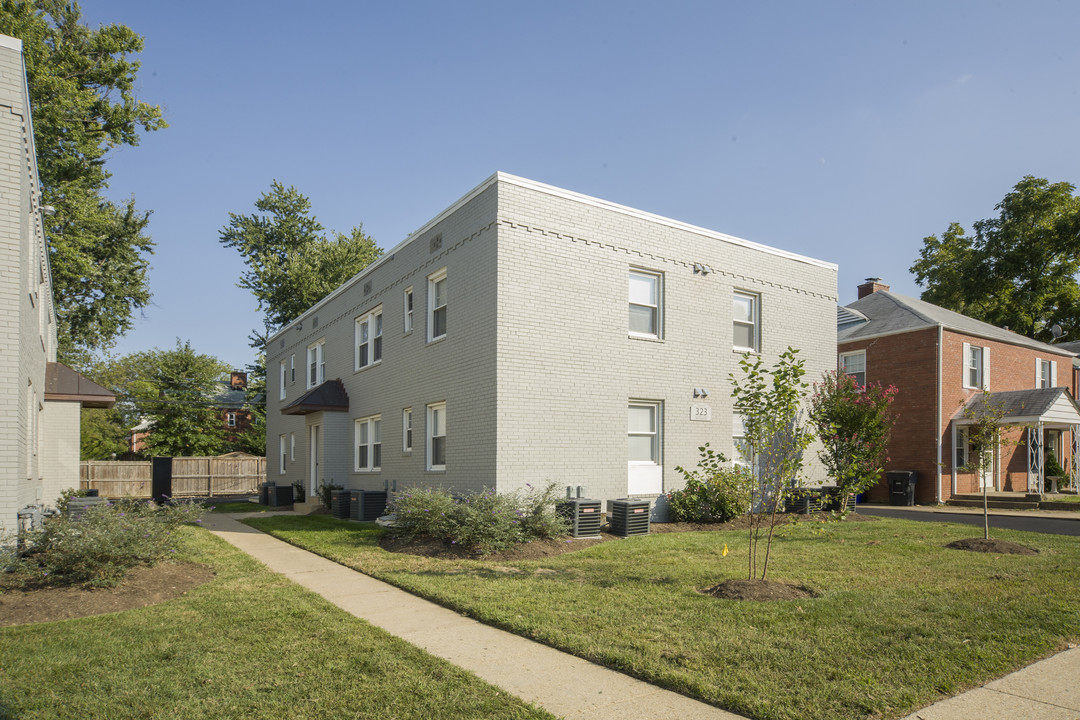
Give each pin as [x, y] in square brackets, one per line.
[537, 368]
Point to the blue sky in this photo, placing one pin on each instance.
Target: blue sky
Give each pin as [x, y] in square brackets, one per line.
[846, 131]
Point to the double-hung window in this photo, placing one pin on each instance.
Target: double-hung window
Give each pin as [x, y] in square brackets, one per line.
[644, 293]
[292, 368]
[316, 362]
[406, 430]
[408, 310]
[854, 364]
[437, 305]
[436, 436]
[1045, 373]
[368, 444]
[281, 454]
[230, 419]
[369, 339]
[282, 378]
[976, 367]
[747, 326]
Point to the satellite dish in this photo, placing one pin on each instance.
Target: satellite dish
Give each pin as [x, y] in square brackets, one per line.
[1056, 331]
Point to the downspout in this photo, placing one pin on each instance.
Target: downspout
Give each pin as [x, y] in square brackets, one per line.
[940, 336]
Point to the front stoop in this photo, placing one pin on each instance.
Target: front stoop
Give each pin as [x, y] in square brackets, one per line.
[307, 507]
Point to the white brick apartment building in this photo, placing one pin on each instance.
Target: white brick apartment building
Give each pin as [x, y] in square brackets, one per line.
[42, 399]
[530, 333]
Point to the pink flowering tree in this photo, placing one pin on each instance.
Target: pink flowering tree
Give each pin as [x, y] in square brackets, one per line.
[854, 423]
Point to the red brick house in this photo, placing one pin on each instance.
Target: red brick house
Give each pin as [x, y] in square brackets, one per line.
[230, 405]
[941, 362]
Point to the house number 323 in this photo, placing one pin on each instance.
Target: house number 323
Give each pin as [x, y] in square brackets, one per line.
[701, 412]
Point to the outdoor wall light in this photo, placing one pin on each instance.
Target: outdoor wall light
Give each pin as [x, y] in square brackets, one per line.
[701, 268]
[701, 392]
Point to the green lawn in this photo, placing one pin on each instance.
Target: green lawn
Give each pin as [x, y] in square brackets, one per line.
[249, 644]
[901, 621]
[242, 507]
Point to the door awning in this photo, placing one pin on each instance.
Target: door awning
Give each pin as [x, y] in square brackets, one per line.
[327, 397]
[1046, 406]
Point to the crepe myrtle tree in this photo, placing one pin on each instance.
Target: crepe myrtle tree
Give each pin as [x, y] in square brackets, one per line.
[854, 423]
[770, 404]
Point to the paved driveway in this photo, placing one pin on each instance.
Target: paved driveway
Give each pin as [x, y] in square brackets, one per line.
[1066, 525]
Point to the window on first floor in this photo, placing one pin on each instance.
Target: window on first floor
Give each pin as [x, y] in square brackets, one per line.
[406, 430]
[744, 454]
[368, 444]
[292, 447]
[854, 364]
[643, 436]
[436, 436]
[230, 419]
[281, 454]
[746, 324]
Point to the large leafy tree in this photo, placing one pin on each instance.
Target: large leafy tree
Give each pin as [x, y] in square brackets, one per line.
[291, 263]
[82, 95]
[1017, 270]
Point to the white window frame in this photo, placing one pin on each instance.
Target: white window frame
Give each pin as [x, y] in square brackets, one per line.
[646, 477]
[434, 279]
[281, 454]
[1045, 372]
[960, 452]
[292, 447]
[843, 363]
[742, 453]
[367, 339]
[980, 370]
[406, 430]
[434, 430]
[282, 377]
[230, 419]
[292, 368]
[656, 305]
[408, 300]
[754, 323]
[367, 442]
[316, 363]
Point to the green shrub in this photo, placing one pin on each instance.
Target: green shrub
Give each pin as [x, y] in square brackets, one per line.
[711, 493]
[483, 522]
[97, 549]
[326, 493]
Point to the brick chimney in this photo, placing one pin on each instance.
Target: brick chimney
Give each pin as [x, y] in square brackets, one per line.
[871, 286]
[238, 380]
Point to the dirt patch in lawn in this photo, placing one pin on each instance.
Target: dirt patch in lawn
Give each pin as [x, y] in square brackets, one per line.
[539, 549]
[1003, 547]
[143, 586]
[758, 590]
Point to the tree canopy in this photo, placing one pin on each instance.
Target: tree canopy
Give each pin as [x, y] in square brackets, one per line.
[82, 96]
[291, 263]
[1019, 269]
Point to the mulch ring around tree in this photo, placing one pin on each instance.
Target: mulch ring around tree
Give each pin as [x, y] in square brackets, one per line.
[141, 586]
[758, 590]
[1001, 547]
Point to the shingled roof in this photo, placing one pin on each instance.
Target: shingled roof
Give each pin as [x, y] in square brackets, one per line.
[1022, 406]
[63, 383]
[330, 396]
[887, 313]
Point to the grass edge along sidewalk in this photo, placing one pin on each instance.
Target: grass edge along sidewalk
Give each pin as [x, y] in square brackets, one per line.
[248, 644]
[900, 621]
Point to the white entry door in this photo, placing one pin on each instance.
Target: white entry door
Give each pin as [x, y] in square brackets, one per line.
[313, 453]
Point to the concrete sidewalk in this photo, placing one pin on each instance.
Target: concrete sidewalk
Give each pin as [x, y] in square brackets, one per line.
[572, 688]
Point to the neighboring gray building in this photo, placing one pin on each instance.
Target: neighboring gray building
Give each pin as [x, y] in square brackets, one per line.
[529, 334]
[42, 399]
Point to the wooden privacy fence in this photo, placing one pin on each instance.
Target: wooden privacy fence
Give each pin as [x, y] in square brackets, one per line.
[191, 476]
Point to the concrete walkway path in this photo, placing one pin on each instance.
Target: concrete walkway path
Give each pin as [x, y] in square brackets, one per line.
[572, 688]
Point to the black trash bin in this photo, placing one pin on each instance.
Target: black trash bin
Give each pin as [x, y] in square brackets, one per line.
[901, 487]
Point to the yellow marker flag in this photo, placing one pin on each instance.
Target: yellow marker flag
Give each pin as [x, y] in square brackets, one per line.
[724, 553]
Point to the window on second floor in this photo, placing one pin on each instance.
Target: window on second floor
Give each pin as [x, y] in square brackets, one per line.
[437, 305]
[281, 381]
[230, 419]
[746, 327]
[976, 367]
[854, 364]
[316, 361]
[369, 339]
[408, 310]
[1045, 373]
[644, 304]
